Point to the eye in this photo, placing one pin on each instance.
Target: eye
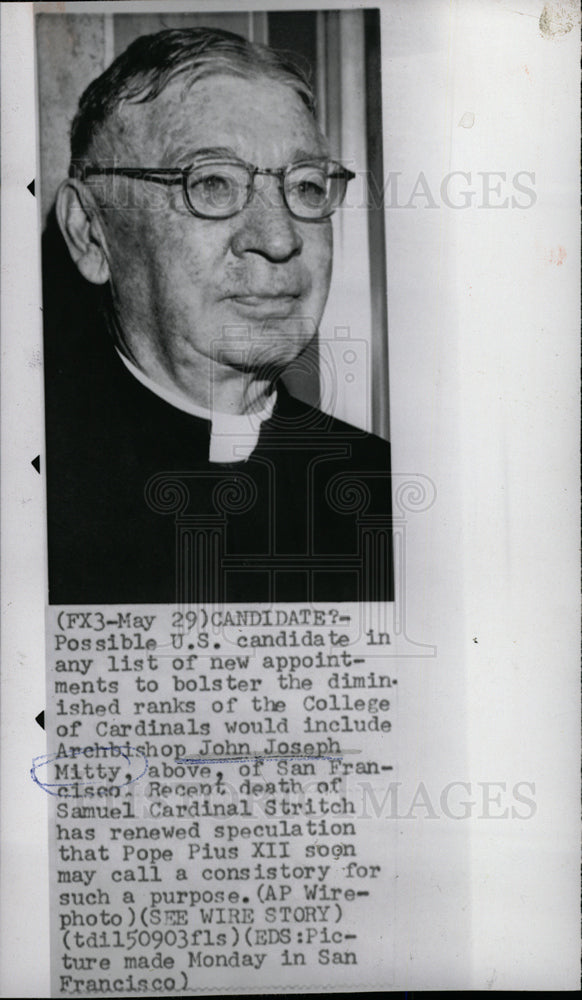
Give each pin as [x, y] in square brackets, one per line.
[311, 189]
[215, 189]
[308, 185]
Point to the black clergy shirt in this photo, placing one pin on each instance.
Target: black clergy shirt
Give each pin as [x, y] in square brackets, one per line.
[138, 514]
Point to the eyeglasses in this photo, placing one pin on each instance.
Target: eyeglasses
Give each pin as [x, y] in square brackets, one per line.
[219, 189]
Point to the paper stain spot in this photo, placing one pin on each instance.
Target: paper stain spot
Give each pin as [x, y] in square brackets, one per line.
[56, 7]
[557, 256]
[558, 18]
[467, 120]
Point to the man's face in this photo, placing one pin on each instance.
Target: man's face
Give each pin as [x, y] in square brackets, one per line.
[248, 291]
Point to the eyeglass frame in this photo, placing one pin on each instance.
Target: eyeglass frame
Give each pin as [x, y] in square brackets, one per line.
[177, 175]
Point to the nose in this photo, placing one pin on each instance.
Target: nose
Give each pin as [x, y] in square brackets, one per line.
[266, 227]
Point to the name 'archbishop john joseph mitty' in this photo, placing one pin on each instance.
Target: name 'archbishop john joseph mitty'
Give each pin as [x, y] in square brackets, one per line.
[179, 467]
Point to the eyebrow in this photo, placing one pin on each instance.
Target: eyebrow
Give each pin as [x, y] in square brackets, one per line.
[208, 152]
[214, 151]
[303, 154]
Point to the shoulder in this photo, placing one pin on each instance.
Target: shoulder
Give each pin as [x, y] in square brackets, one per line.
[294, 418]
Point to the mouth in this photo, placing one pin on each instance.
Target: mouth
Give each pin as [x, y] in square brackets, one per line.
[272, 304]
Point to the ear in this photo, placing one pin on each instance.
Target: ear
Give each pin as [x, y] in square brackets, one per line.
[80, 223]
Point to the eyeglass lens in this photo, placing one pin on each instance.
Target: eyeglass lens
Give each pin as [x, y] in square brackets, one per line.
[218, 190]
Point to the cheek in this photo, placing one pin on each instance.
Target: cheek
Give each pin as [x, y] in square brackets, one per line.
[158, 252]
[320, 255]
[126, 243]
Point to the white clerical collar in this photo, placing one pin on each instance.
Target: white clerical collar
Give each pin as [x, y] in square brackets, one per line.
[233, 437]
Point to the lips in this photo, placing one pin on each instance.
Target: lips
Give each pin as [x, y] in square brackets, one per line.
[254, 298]
[274, 304]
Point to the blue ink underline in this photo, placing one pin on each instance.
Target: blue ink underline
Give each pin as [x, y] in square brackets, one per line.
[261, 756]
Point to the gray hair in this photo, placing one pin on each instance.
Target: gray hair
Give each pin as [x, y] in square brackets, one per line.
[151, 62]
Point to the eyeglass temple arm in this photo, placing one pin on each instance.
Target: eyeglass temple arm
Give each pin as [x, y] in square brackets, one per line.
[344, 172]
[173, 175]
[158, 175]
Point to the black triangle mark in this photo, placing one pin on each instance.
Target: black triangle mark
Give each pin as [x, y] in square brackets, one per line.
[30, 187]
[40, 719]
[36, 463]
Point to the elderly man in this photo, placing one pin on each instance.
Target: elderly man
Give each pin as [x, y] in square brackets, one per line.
[179, 467]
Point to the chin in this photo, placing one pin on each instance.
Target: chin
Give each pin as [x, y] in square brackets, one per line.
[275, 357]
[271, 349]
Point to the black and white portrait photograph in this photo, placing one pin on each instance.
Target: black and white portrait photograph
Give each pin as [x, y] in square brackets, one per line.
[213, 432]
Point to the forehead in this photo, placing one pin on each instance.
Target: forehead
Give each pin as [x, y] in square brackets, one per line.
[261, 120]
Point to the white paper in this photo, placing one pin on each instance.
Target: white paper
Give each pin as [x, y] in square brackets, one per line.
[482, 276]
